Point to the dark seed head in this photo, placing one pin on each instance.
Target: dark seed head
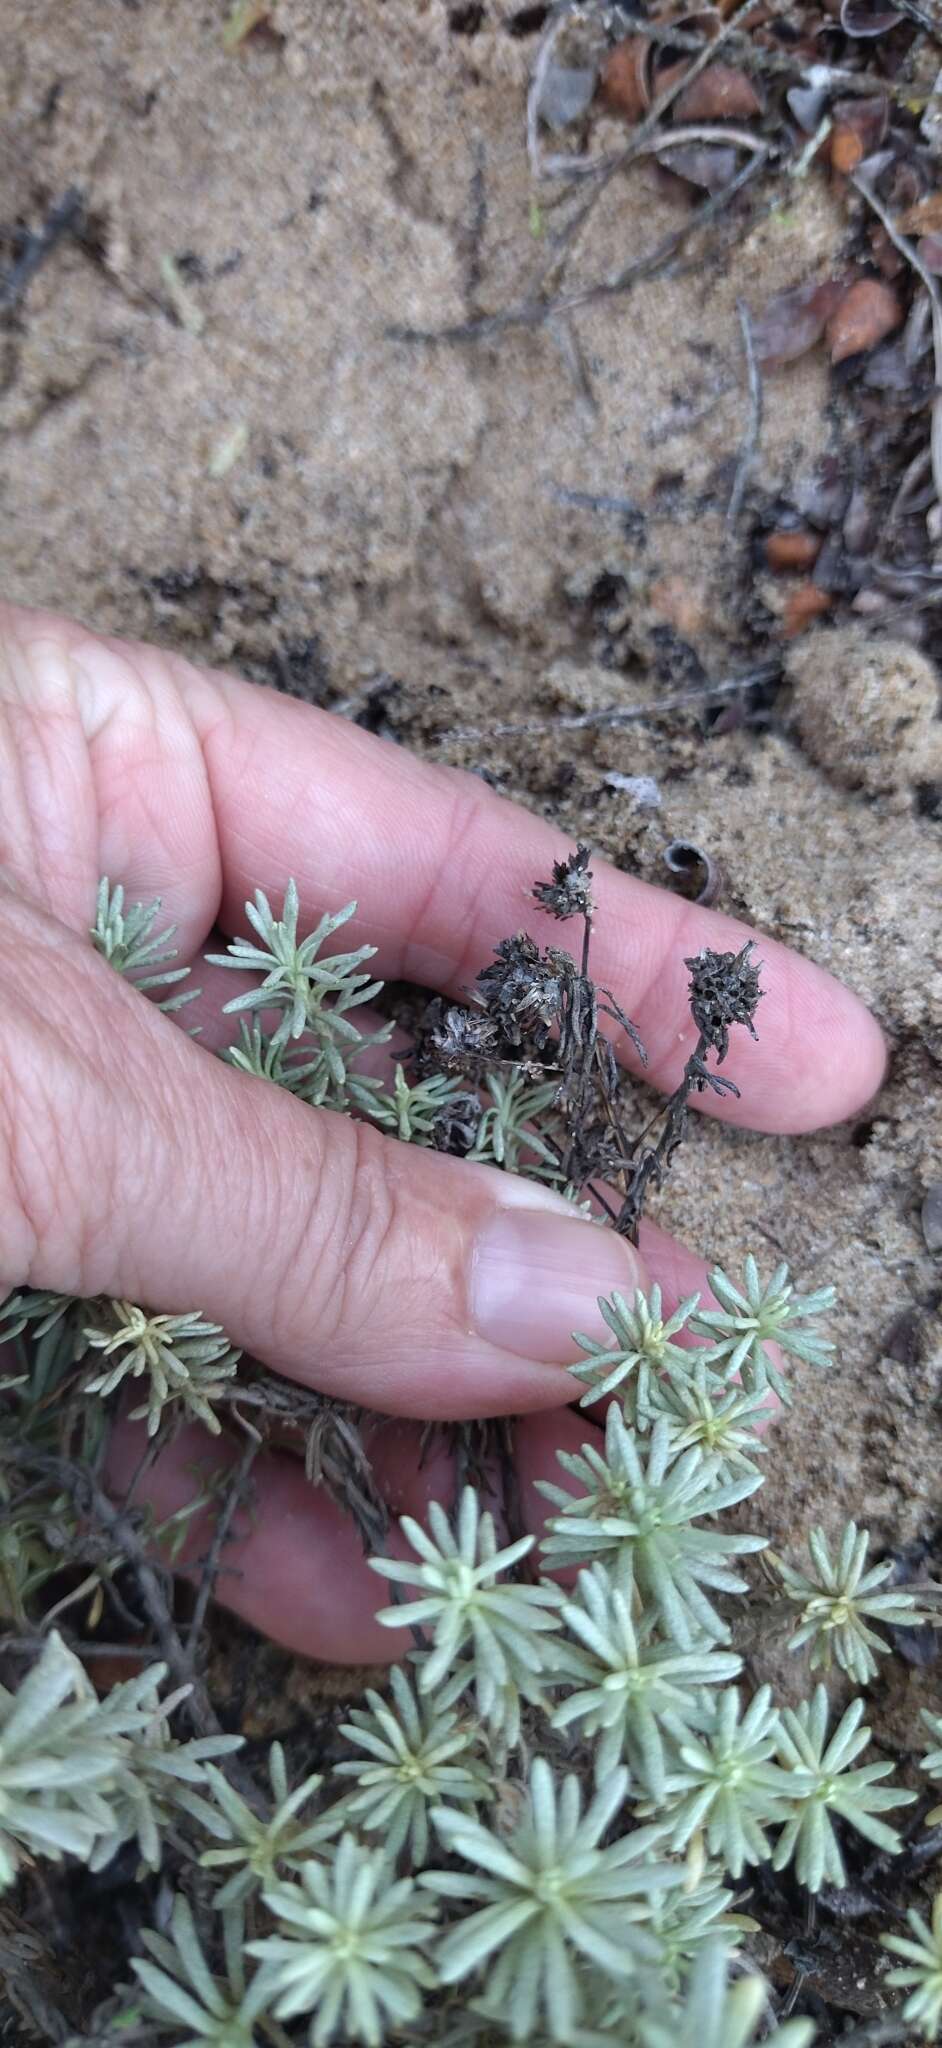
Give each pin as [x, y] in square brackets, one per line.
[569, 894]
[724, 990]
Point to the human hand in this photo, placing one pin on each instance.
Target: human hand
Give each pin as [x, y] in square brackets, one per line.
[134, 1164]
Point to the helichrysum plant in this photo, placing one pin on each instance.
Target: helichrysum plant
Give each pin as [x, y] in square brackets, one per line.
[547, 1899]
[447, 1876]
[760, 1314]
[637, 1509]
[258, 1848]
[488, 1630]
[182, 1995]
[352, 1947]
[183, 1361]
[825, 1786]
[643, 1347]
[839, 1599]
[921, 1972]
[411, 1756]
[723, 1782]
[126, 938]
[627, 1678]
[79, 1775]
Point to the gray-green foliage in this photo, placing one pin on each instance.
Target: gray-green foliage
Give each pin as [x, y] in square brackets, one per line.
[128, 941]
[839, 1599]
[79, 1775]
[350, 1949]
[446, 1877]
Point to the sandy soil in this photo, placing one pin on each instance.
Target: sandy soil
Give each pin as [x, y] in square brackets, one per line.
[388, 527]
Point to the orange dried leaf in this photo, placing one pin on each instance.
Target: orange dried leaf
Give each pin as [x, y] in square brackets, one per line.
[867, 313]
[847, 150]
[802, 607]
[721, 93]
[792, 547]
[623, 84]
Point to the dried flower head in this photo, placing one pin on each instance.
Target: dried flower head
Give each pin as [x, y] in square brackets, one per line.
[724, 990]
[569, 894]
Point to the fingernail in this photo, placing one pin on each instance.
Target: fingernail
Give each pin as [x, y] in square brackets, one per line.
[536, 1275]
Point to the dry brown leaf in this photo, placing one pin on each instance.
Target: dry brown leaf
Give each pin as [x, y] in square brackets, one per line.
[794, 320]
[794, 547]
[867, 313]
[623, 84]
[802, 607]
[721, 93]
[924, 217]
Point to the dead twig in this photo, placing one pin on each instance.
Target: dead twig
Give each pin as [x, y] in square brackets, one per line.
[750, 447]
[533, 313]
[619, 714]
[234, 1499]
[908, 250]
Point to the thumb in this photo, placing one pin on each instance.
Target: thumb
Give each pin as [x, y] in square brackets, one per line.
[134, 1163]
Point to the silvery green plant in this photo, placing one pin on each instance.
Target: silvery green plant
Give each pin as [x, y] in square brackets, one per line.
[181, 1994]
[921, 1971]
[839, 1598]
[643, 1348]
[259, 1848]
[312, 992]
[757, 1315]
[723, 1782]
[637, 1509]
[352, 1947]
[548, 1899]
[184, 1361]
[627, 1678]
[824, 1786]
[126, 938]
[719, 2014]
[79, 1775]
[488, 1631]
[413, 1755]
[509, 1133]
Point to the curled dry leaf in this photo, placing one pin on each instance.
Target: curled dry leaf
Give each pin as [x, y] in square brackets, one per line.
[794, 547]
[867, 18]
[705, 164]
[859, 128]
[794, 320]
[721, 93]
[802, 606]
[624, 83]
[866, 314]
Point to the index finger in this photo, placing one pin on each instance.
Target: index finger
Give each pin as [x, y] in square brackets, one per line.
[442, 869]
[256, 788]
